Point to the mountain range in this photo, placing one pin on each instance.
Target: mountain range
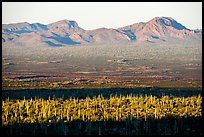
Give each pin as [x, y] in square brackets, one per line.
[68, 32]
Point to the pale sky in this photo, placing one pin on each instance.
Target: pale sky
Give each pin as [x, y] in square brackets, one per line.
[93, 15]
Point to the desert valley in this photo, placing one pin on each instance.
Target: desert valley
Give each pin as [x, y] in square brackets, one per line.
[140, 79]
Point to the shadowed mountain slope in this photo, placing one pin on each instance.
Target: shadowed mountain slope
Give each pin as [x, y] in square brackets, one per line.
[68, 32]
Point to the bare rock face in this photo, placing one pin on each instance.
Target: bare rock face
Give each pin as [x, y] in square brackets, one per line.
[159, 29]
[64, 26]
[68, 32]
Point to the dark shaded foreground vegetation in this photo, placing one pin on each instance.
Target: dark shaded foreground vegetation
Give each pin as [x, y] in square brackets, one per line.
[165, 126]
[83, 93]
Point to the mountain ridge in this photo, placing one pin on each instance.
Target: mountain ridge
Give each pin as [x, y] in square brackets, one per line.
[67, 32]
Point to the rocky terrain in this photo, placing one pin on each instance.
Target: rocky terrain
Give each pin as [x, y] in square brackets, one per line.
[68, 32]
[142, 54]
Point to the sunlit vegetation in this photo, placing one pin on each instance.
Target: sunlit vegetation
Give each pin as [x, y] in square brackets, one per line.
[116, 108]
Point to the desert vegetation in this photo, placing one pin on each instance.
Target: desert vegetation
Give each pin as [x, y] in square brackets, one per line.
[100, 110]
[139, 79]
[102, 90]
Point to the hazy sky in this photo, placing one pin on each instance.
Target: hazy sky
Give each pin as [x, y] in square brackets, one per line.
[92, 15]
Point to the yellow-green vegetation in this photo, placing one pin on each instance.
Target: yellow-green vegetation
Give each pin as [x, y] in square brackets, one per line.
[116, 108]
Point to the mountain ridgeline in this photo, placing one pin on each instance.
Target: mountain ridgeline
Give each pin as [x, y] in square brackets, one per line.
[67, 32]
